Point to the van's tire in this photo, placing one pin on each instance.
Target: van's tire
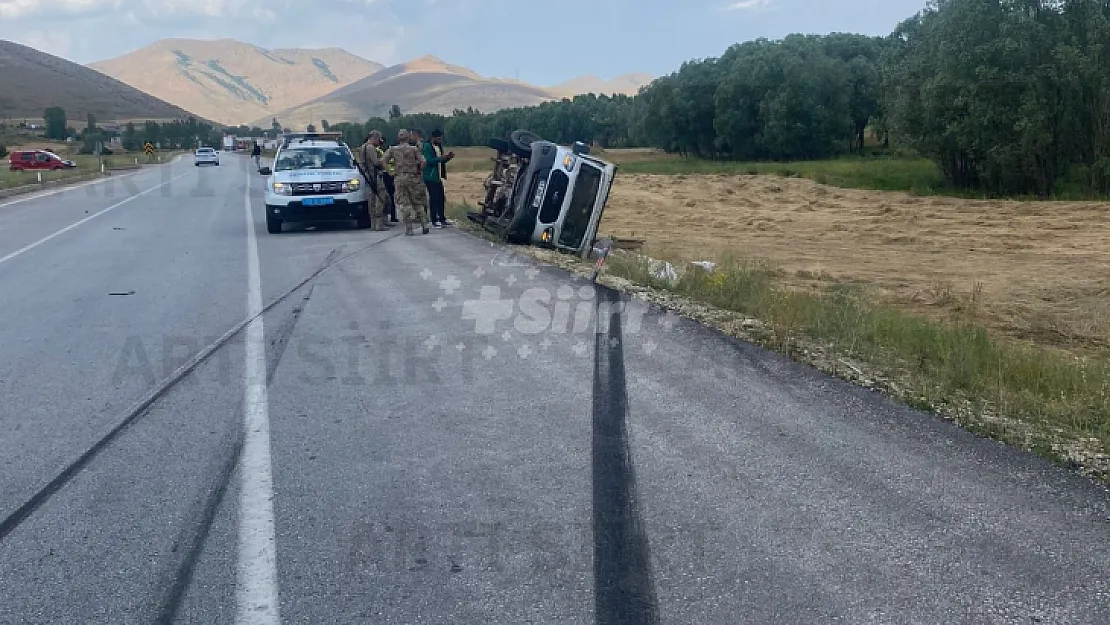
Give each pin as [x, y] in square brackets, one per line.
[273, 224]
[521, 142]
[500, 145]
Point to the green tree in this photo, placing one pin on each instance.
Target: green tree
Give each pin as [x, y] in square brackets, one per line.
[992, 91]
[55, 119]
[130, 138]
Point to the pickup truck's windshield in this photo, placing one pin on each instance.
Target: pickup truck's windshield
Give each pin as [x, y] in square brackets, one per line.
[314, 158]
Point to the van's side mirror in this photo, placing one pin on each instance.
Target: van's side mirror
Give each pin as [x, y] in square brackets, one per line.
[265, 171]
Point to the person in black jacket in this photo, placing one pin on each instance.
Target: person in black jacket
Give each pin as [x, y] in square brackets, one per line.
[256, 153]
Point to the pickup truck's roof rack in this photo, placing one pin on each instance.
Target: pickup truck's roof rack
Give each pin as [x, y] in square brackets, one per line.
[301, 137]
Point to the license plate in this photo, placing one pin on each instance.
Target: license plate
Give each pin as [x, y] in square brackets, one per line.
[318, 201]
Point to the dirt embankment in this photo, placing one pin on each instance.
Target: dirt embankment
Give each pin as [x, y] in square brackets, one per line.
[1033, 270]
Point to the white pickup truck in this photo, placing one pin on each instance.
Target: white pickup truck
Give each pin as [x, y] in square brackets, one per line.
[315, 179]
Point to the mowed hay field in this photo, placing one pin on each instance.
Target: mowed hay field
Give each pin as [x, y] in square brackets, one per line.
[1037, 271]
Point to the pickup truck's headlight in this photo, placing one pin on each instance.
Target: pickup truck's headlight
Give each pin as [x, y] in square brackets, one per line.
[568, 162]
[281, 188]
[352, 185]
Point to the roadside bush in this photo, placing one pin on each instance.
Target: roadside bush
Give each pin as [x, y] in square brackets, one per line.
[3, 151]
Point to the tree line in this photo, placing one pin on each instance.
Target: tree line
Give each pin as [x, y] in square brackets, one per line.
[1005, 96]
[186, 134]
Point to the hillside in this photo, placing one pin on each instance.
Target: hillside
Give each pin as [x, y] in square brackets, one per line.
[234, 82]
[34, 81]
[426, 84]
[627, 84]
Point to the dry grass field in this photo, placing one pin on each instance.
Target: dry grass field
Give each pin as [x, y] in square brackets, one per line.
[1038, 271]
[994, 313]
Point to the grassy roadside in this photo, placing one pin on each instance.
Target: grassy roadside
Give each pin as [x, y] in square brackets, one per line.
[1034, 397]
[86, 165]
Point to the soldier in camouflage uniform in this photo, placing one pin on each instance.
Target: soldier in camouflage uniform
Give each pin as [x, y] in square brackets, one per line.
[409, 180]
[417, 139]
[379, 201]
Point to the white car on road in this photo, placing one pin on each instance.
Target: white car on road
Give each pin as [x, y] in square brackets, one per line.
[206, 156]
[314, 179]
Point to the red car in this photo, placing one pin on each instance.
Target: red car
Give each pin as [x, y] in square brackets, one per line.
[31, 160]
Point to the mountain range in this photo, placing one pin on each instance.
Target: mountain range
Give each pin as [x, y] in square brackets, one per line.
[425, 85]
[34, 81]
[628, 84]
[233, 83]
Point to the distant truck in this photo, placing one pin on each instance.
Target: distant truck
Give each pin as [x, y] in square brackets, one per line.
[229, 143]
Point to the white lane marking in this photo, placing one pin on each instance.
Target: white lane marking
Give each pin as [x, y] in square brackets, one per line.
[257, 587]
[32, 246]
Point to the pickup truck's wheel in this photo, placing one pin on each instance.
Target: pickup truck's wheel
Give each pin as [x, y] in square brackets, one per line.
[273, 224]
[363, 220]
[521, 142]
[519, 228]
[500, 145]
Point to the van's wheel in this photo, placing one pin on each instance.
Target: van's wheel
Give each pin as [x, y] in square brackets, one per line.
[521, 142]
[273, 224]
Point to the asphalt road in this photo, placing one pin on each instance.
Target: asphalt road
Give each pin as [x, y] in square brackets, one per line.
[205, 423]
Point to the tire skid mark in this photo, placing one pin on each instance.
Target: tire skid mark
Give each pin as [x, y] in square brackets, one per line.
[141, 407]
[284, 333]
[194, 536]
[624, 593]
[194, 542]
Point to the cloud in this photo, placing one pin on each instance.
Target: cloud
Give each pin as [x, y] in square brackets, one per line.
[92, 30]
[11, 9]
[743, 5]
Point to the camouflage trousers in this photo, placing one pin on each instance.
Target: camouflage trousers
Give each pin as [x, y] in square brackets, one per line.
[412, 201]
[379, 205]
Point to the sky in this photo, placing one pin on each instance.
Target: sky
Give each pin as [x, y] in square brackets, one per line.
[540, 42]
